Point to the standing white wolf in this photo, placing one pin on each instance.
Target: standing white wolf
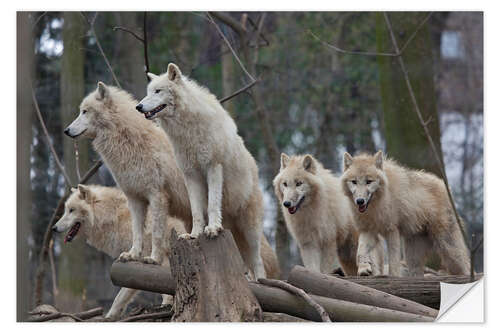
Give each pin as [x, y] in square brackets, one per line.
[221, 175]
[391, 200]
[142, 162]
[101, 216]
[319, 218]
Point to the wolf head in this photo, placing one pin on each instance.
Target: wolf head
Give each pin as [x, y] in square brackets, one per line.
[98, 111]
[78, 213]
[363, 178]
[296, 183]
[161, 94]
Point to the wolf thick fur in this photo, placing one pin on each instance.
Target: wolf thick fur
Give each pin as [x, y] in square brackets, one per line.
[221, 175]
[106, 224]
[141, 159]
[319, 218]
[391, 200]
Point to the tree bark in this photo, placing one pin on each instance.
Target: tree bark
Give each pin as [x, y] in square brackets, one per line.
[334, 287]
[423, 290]
[25, 55]
[406, 140]
[271, 299]
[72, 267]
[210, 281]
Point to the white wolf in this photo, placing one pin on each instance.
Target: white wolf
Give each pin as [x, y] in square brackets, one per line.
[319, 218]
[142, 162]
[391, 200]
[221, 175]
[101, 216]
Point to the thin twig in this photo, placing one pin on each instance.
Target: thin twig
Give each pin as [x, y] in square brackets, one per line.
[77, 158]
[230, 47]
[148, 316]
[130, 32]
[381, 54]
[90, 172]
[145, 42]
[239, 91]
[38, 20]
[53, 268]
[299, 292]
[47, 137]
[92, 30]
[426, 130]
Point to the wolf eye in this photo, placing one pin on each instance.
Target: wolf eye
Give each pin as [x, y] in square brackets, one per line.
[71, 210]
[284, 184]
[298, 183]
[368, 182]
[354, 182]
[157, 91]
[84, 111]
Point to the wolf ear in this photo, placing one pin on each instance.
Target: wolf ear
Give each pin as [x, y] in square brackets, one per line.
[284, 160]
[151, 76]
[309, 164]
[173, 72]
[102, 91]
[347, 160]
[85, 193]
[379, 159]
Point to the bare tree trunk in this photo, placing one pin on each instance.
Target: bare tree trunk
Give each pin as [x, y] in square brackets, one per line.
[25, 55]
[131, 54]
[72, 267]
[210, 281]
[228, 86]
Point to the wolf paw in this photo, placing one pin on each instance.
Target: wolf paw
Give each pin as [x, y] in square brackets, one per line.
[150, 261]
[213, 230]
[187, 236]
[127, 256]
[338, 271]
[365, 270]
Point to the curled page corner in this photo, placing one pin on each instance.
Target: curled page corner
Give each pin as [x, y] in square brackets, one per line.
[451, 294]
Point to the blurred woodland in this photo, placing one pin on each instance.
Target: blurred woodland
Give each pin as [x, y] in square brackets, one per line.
[322, 87]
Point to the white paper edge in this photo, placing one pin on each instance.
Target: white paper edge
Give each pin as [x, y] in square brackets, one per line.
[461, 302]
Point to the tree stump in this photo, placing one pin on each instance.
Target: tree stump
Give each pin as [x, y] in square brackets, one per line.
[211, 283]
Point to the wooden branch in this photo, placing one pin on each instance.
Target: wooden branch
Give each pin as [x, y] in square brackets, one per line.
[47, 137]
[145, 42]
[92, 30]
[130, 32]
[148, 316]
[228, 20]
[77, 158]
[55, 292]
[271, 299]
[299, 292]
[273, 317]
[334, 287]
[426, 130]
[423, 290]
[80, 316]
[239, 91]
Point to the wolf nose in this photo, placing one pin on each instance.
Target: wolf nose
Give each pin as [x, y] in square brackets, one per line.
[139, 107]
[66, 131]
[287, 204]
[360, 201]
[54, 228]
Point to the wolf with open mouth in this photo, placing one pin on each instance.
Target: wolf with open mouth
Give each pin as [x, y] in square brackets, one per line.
[319, 218]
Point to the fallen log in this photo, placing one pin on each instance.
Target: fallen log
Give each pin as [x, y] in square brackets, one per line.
[210, 280]
[334, 287]
[423, 290]
[271, 299]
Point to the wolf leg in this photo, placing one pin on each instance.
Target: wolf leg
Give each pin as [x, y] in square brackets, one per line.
[330, 261]
[416, 249]
[214, 180]
[453, 252]
[197, 192]
[158, 204]
[124, 297]
[311, 257]
[367, 244]
[394, 251]
[167, 299]
[138, 212]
